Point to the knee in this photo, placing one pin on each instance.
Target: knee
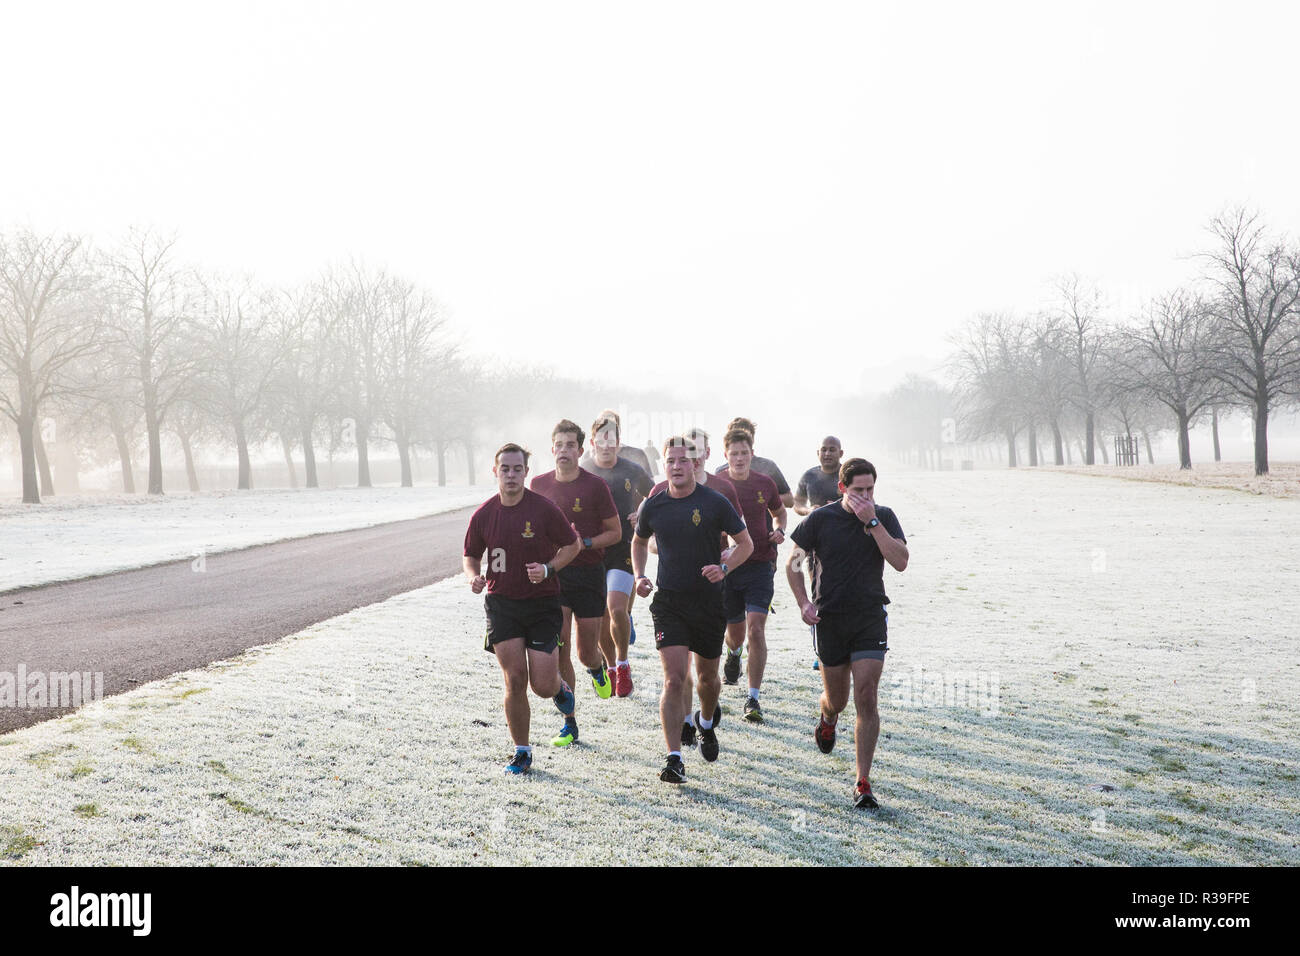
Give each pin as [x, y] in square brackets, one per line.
[866, 703]
[516, 684]
[545, 685]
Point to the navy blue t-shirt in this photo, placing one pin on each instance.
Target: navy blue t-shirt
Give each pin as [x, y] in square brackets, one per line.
[688, 532]
[846, 566]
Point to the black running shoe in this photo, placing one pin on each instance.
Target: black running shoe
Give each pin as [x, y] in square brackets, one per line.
[825, 735]
[731, 668]
[717, 715]
[862, 798]
[708, 740]
[753, 713]
[674, 771]
[688, 734]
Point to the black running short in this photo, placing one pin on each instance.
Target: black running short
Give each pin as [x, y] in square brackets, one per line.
[536, 620]
[858, 635]
[691, 620]
[749, 589]
[582, 590]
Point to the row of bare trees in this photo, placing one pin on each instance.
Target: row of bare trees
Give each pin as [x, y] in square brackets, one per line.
[1231, 339]
[107, 342]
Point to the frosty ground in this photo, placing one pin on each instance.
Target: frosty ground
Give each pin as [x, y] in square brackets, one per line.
[1122, 687]
[77, 536]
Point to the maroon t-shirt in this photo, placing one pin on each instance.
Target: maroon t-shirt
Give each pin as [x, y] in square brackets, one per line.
[759, 499]
[719, 483]
[585, 501]
[529, 532]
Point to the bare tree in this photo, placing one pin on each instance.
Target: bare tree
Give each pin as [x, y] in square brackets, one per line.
[306, 384]
[46, 322]
[988, 366]
[1170, 358]
[149, 321]
[411, 353]
[1257, 278]
[241, 352]
[358, 296]
[1079, 309]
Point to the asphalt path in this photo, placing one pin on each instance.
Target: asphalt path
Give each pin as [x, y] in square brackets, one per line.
[139, 626]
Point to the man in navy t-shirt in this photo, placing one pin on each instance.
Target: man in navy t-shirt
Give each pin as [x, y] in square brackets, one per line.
[845, 545]
[527, 541]
[687, 521]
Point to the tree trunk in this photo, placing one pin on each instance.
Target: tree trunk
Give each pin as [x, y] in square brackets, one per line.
[1184, 440]
[1058, 451]
[1214, 430]
[1011, 448]
[363, 455]
[124, 456]
[42, 461]
[191, 475]
[245, 482]
[288, 459]
[469, 461]
[404, 456]
[441, 449]
[1090, 435]
[1146, 437]
[1101, 443]
[309, 458]
[154, 429]
[26, 444]
[1261, 433]
[1033, 446]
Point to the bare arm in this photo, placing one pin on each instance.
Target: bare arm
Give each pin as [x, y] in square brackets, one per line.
[794, 576]
[611, 533]
[640, 553]
[891, 549]
[474, 573]
[779, 518]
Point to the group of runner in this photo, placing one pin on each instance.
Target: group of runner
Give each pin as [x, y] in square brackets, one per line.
[566, 559]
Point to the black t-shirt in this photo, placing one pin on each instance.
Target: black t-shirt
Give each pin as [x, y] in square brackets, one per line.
[819, 488]
[629, 484]
[846, 566]
[689, 535]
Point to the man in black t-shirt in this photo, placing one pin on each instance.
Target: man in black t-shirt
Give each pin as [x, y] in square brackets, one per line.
[820, 486]
[687, 522]
[845, 545]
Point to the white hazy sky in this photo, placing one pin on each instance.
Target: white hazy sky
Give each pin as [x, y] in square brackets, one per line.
[701, 185]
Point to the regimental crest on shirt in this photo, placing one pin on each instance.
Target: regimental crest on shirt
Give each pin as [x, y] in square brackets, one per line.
[760, 499]
[528, 530]
[695, 518]
[577, 504]
[627, 484]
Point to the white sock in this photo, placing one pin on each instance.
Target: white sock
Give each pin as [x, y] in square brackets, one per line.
[675, 753]
[622, 663]
[705, 724]
[734, 653]
[527, 749]
[753, 692]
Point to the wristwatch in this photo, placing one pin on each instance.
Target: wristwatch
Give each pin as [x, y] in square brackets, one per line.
[548, 569]
[724, 569]
[586, 542]
[874, 522]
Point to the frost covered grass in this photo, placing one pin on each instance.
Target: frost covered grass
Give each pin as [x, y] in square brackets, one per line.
[1135, 702]
[76, 536]
[1282, 480]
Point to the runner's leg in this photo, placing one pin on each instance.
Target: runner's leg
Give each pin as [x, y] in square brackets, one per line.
[514, 669]
[672, 714]
[866, 681]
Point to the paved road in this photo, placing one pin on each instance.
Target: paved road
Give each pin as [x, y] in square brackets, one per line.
[139, 626]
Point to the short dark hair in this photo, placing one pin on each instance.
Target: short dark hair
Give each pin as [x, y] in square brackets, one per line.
[681, 441]
[854, 467]
[506, 449]
[606, 419]
[564, 425]
[738, 434]
[746, 424]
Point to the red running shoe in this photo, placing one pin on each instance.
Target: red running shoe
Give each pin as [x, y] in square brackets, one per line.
[862, 798]
[825, 735]
[623, 680]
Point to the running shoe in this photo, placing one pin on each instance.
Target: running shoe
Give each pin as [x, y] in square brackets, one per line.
[623, 680]
[522, 762]
[862, 798]
[568, 733]
[825, 734]
[717, 715]
[708, 740]
[564, 700]
[753, 713]
[817, 665]
[674, 770]
[688, 734]
[604, 686]
[731, 668]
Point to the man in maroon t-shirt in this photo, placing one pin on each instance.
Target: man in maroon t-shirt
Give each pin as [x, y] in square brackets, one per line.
[586, 502]
[527, 540]
[749, 589]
